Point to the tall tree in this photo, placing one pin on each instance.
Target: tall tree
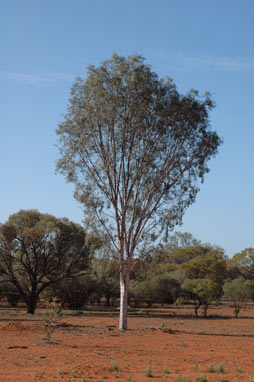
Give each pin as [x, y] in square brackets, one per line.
[180, 240]
[210, 265]
[136, 150]
[37, 250]
[242, 264]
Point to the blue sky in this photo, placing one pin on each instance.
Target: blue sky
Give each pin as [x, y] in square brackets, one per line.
[205, 45]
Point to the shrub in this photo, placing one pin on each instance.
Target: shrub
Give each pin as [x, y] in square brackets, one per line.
[237, 291]
[52, 316]
[148, 372]
[202, 378]
[74, 293]
[179, 378]
[202, 292]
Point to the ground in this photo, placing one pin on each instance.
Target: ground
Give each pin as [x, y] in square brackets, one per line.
[166, 343]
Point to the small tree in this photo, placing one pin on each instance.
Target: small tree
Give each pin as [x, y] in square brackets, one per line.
[37, 250]
[136, 150]
[166, 289]
[202, 292]
[159, 289]
[74, 293]
[143, 291]
[237, 291]
[11, 293]
[106, 270]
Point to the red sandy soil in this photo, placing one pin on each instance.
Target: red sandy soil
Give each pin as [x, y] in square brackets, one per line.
[86, 347]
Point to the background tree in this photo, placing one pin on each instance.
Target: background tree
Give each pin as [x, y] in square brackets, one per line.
[180, 240]
[37, 250]
[238, 291]
[167, 289]
[74, 293]
[106, 271]
[186, 254]
[161, 289]
[10, 292]
[136, 150]
[242, 264]
[202, 292]
[211, 265]
[152, 260]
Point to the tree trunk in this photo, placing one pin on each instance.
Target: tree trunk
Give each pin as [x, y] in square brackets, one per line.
[196, 308]
[236, 311]
[205, 310]
[123, 304]
[32, 303]
[124, 292]
[107, 302]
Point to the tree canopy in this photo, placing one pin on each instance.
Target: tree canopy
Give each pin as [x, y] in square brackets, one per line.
[37, 250]
[242, 264]
[136, 151]
[210, 265]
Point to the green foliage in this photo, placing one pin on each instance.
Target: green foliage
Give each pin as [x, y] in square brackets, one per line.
[180, 240]
[142, 291]
[74, 293]
[106, 269]
[148, 372]
[202, 378]
[114, 366]
[37, 250]
[152, 261]
[237, 291]
[52, 317]
[242, 264]
[11, 293]
[179, 378]
[217, 368]
[159, 289]
[136, 151]
[210, 265]
[182, 255]
[202, 292]
[211, 368]
[123, 120]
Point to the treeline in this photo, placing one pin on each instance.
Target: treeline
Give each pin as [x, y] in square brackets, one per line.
[42, 257]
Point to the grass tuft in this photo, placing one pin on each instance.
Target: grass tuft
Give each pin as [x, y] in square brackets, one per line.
[148, 372]
[202, 378]
[179, 378]
[114, 366]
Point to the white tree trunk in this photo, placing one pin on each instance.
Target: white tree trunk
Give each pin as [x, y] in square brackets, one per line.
[123, 304]
[124, 292]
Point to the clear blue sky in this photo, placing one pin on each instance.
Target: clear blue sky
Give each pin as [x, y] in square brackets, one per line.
[201, 44]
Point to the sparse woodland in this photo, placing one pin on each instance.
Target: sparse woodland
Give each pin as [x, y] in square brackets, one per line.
[44, 258]
[137, 152]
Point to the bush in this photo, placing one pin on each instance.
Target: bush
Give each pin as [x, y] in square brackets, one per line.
[238, 292]
[159, 289]
[74, 293]
[10, 292]
[202, 292]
